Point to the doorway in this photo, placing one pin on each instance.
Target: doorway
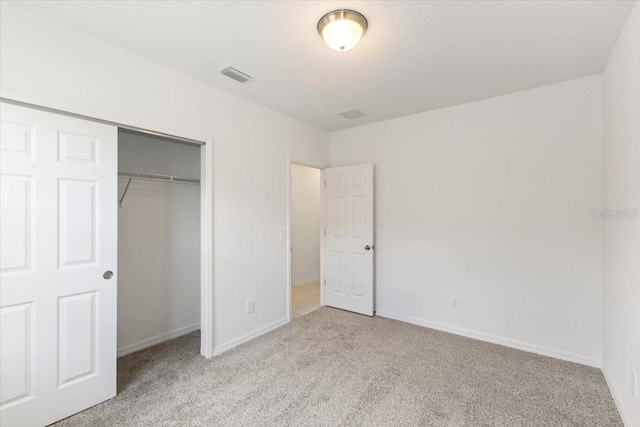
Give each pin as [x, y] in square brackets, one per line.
[346, 239]
[305, 230]
[158, 240]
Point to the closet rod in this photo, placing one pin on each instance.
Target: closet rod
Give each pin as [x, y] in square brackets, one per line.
[156, 177]
[153, 177]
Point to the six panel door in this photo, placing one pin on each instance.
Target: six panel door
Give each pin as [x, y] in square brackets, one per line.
[348, 248]
[58, 217]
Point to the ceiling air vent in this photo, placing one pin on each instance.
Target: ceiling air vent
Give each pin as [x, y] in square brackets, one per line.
[236, 75]
[351, 114]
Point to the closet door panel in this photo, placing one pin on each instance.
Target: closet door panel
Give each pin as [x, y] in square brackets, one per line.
[58, 208]
[77, 222]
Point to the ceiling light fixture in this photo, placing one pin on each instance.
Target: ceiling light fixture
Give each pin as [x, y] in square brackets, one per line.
[342, 29]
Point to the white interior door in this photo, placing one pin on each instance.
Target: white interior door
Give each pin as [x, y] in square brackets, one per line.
[59, 236]
[349, 245]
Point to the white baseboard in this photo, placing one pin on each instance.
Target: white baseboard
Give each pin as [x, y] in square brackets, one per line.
[616, 398]
[507, 342]
[307, 281]
[219, 349]
[148, 342]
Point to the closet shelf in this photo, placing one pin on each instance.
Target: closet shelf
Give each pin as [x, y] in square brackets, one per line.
[153, 177]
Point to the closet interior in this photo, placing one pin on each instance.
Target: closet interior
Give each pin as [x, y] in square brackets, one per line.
[158, 240]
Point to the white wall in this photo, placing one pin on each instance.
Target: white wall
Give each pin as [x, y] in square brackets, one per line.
[305, 219]
[621, 353]
[158, 243]
[44, 63]
[490, 201]
[142, 153]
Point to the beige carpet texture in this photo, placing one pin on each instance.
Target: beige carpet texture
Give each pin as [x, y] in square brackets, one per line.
[334, 368]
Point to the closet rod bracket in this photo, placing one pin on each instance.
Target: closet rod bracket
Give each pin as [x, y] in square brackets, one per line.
[125, 190]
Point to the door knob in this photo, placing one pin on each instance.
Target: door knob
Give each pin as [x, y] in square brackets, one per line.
[367, 248]
[108, 274]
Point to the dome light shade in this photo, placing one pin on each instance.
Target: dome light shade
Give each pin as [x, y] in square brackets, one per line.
[342, 29]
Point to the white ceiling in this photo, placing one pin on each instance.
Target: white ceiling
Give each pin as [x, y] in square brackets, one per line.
[416, 56]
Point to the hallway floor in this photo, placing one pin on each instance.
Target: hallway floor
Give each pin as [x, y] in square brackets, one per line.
[304, 299]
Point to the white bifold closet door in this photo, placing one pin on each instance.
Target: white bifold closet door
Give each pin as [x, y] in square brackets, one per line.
[348, 244]
[59, 241]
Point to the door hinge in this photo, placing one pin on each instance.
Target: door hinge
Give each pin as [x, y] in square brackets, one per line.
[325, 283]
[325, 232]
[325, 183]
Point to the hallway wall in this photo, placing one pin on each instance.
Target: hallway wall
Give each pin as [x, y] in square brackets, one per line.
[306, 211]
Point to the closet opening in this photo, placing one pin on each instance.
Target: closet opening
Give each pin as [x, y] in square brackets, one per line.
[305, 242]
[159, 240]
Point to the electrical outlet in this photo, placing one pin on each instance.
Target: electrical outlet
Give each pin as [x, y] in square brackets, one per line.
[251, 306]
[455, 302]
[634, 385]
[283, 234]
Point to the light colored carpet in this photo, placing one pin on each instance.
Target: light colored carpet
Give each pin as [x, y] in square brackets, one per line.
[334, 368]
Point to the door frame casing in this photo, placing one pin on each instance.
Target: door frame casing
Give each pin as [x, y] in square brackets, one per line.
[294, 160]
[206, 249]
